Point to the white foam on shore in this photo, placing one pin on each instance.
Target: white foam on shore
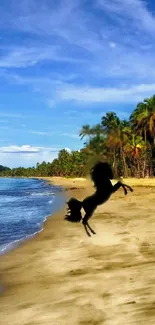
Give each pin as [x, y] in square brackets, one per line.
[12, 245]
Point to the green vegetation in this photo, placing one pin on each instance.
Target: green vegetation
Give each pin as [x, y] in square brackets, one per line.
[128, 145]
[4, 168]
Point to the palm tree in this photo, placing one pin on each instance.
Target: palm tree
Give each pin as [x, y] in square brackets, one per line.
[135, 149]
[116, 141]
[117, 136]
[143, 118]
[86, 131]
[96, 138]
[143, 123]
[110, 122]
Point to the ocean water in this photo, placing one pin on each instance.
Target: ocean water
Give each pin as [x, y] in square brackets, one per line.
[24, 206]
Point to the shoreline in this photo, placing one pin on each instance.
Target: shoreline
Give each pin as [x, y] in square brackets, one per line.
[18, 242]
[48, 278]
[81, 182]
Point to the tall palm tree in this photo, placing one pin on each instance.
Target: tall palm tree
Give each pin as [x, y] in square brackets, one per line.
[135, 149]
[143, 123]
[117, 136]
[143, 118]
[116, 140]
[110, 121]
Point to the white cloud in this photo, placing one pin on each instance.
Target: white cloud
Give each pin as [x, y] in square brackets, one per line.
[135, 10]
[70, 135]
[56, 133]
[19, 149]
[99, 95]
[22, 57]
[26, 155]
[68, 149]
[116, 47]
[112, 44]
[86, 93]
[44, 133]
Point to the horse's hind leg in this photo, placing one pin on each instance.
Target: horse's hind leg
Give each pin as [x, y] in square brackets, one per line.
[85, 223]
[92, 231]
[85, 227]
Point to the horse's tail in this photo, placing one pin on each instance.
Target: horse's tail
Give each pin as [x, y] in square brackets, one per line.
[74, 210]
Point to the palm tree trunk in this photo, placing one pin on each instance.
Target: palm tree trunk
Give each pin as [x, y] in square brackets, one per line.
[124, 163]
[114, 163]
[145, 139]
[144, 166]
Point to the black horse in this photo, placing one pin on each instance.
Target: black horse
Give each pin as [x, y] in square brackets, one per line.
[101, 175]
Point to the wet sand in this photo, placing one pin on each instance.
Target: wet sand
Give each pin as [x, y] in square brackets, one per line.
[63, 277]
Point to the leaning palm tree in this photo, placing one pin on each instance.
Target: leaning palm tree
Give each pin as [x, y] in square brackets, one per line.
[95, 148]
[86, 131]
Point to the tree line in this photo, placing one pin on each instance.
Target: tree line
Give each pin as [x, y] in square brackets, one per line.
[128, 145]
[67, 164]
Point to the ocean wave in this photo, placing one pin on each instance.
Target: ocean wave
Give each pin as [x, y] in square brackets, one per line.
[50, 201]
[24, 209]
[15, 243]
[9, 199]
[42, 193]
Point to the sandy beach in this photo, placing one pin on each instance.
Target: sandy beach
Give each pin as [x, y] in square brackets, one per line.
[63, 277]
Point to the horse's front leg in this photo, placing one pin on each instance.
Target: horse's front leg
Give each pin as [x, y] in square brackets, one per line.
[129, 187]
[120, 184]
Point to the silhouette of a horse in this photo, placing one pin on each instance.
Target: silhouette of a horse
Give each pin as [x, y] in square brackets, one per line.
[101, 175]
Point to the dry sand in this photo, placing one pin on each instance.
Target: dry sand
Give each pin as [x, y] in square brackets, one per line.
[63, 277]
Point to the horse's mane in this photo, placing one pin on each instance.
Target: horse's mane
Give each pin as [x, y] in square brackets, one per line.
[100, 173]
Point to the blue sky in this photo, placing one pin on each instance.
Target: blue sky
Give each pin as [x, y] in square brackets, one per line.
[66, 63]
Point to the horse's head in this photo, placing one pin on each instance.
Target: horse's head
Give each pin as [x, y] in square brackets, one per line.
[101, 172]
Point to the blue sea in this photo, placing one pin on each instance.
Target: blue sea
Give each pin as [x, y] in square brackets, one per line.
[24, 206]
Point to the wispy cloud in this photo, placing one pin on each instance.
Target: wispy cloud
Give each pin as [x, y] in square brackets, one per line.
[19, 149]
[14, 115]
[4, 127]
[120, 95]
[135, 10]
[4, 121]
[54, 133]
[97, 51]
[27, 155]
[22, 57]
[71, 92]
[42, 133]
[26, 149]
[70, 135]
